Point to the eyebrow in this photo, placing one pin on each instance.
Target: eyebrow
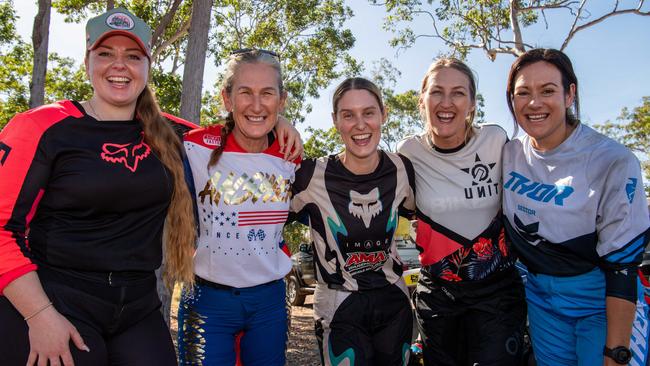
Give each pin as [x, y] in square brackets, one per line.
[364, 109]
[453, 87]
[263, 89]
[128, 49]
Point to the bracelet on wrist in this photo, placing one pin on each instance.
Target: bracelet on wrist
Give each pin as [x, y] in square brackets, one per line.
[38, 311]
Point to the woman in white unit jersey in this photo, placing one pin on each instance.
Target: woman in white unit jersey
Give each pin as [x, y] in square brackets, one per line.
[577, 217]
[470, 299]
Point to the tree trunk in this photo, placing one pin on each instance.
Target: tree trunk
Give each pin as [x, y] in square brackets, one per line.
[197, 47]
[40, 39]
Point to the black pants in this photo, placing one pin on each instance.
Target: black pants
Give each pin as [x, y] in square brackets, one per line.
[120, 324]
[472, 323]
[363, 328]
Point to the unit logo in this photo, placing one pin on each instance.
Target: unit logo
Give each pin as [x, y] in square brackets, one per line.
[482, 184]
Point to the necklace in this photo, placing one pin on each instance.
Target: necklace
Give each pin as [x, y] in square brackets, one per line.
[90, 104]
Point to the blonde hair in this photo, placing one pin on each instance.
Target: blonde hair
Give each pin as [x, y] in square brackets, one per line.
[180, 232]
[236, 60]
[456, 64]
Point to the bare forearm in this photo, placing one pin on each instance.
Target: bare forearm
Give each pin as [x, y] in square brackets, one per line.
[620, 315]
[26, 294]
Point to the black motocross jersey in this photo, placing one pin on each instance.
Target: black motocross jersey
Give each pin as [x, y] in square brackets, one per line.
[80, 194]
[353, 218]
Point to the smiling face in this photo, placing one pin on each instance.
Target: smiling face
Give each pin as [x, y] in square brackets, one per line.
[255, 101]
[446, 102]
[118, 71]
[358, 118]
[540, 103]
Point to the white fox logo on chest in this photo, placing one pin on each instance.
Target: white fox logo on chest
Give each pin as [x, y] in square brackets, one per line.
[365, 206]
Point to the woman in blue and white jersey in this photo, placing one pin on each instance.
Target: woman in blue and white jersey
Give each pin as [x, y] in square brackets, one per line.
[577, 217]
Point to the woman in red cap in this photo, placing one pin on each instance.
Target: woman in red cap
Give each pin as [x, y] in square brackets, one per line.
[86, 190]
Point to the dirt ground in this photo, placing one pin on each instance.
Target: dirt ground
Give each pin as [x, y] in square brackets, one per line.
[302, 349]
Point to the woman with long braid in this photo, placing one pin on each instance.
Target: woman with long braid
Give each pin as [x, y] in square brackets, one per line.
[243, 187]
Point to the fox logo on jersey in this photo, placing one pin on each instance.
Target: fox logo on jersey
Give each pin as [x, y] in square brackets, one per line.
[128, 154]
[365, 206]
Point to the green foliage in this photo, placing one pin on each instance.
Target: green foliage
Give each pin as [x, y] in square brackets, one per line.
[64, 80]
[7, 23]
[295, 234]
[460, 24]
[492, 26]
[403, 117]
[167, 87]
[403, 112]
[322, 142]
[632, 129]
[76, 11]
[479, 117]
[309, 35]
[14, 90]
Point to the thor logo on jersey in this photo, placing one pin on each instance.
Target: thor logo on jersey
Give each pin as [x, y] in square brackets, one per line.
[537, 191]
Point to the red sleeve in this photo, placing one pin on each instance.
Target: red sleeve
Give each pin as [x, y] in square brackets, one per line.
[180, 121]
[21, 154]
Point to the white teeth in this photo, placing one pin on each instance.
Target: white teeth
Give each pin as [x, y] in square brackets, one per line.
[537, 117]
[255, 118]
[118, 79]
[361, 137]
[446, 115]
